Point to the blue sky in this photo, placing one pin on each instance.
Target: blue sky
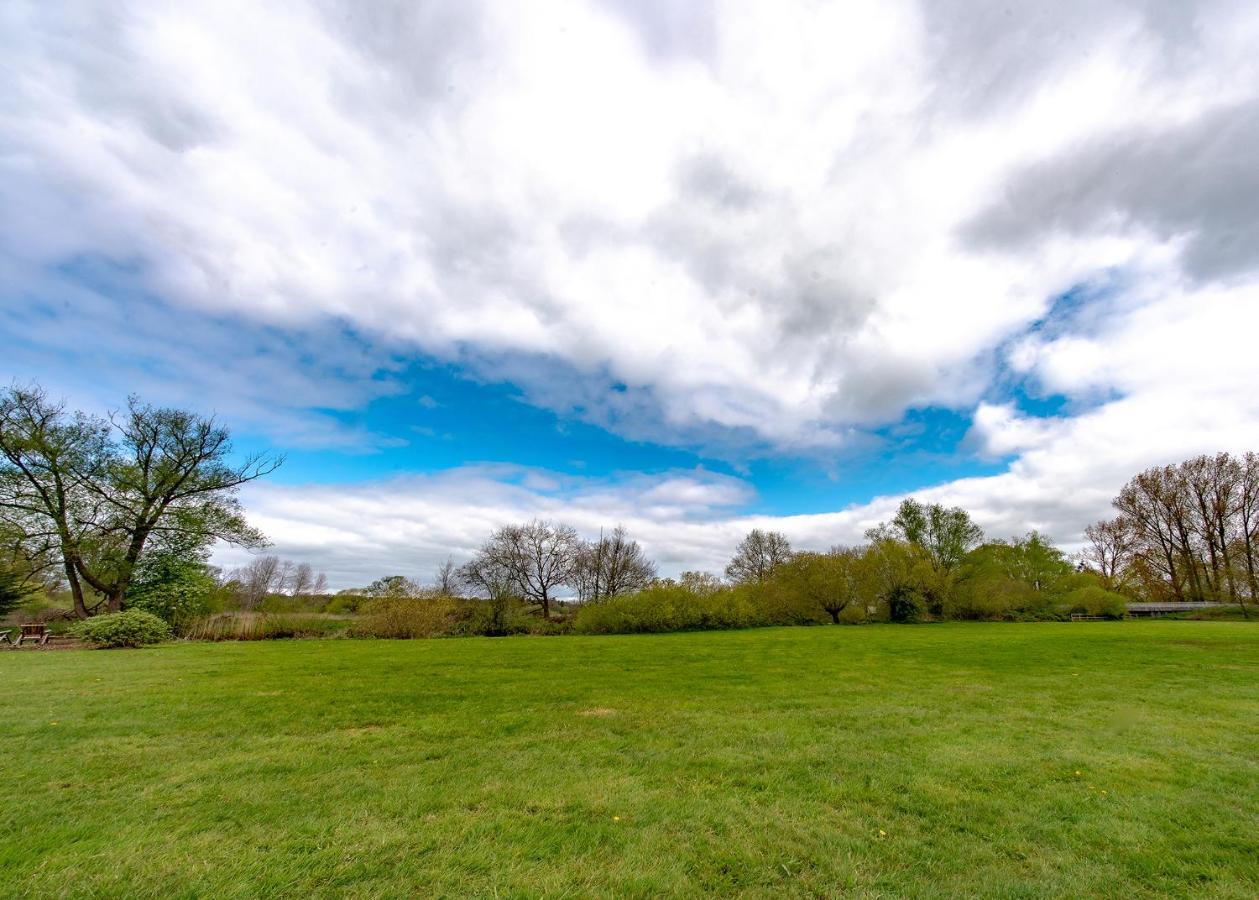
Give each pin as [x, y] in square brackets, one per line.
[693, 268]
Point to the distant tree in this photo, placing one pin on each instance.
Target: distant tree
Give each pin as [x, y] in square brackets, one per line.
[705, 584]
[447, 580]
[610, 566]
[946, 533]
[829, 581]
[490, 577]
[893, 572]
[104, 488]
[1189, 530]
[540, 558]
[758, 556]
[256, 580]
[394, 586]
[1108, 551]
[302, 580]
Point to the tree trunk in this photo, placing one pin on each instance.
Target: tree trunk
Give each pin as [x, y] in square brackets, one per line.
[76, 590]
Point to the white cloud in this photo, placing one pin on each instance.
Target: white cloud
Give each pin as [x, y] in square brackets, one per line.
[757, 218]
[778, 222]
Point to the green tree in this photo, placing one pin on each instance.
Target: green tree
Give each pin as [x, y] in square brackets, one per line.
[176, 587]
[894, 572]
[827, 581]
[104, 489]
[14, 589]
[946, 533]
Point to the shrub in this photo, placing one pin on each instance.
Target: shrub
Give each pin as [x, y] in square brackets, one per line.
[497, 617]
[990, 596]
[1095, 600]
[904, 604]
[129, 628]
[339, 604]
[407, 617]
[671, 607]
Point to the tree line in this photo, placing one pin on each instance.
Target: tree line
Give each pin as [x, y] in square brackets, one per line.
[123, 510]
[1186, 532]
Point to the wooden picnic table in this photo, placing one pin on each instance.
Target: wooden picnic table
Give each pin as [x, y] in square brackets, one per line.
[36, 631]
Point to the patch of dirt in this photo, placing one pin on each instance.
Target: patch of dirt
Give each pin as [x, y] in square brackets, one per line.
[600, 712]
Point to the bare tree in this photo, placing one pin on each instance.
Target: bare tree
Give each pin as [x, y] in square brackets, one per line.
[539, 556]
[320, 587]
[1248, 529]
[301, 580]
[705, 584]
[758, 555]
[489, 576]
[258, 579]
[612, 565]
[1109, 550]
[447, 579]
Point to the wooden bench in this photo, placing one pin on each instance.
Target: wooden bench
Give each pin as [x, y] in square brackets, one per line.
[37, 632]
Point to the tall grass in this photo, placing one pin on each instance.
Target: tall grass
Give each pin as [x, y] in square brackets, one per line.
[263, 626]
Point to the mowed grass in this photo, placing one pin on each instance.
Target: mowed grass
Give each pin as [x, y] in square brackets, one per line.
[1088, 759]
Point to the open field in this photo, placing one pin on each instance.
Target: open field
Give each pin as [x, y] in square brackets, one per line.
[1100, 759]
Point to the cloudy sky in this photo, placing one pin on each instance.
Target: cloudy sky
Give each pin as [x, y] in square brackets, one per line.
[683, 265]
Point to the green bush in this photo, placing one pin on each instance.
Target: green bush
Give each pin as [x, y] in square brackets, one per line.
[339, 604]
[1095, 600]
[129, 628]
[408, 617]
[671, 607]
[176, 589]
[904, 604]
[496, 618]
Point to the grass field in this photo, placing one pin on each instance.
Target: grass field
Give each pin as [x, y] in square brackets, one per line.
[1089, 759]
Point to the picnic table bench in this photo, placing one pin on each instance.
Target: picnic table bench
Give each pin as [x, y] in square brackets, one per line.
[37, 632]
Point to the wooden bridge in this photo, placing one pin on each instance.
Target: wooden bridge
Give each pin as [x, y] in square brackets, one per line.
[1154, 610]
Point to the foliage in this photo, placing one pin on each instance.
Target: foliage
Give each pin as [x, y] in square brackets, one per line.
[129, 628]
[1094, 600]
[14, 588]
[106, 490]
[176, 588]
[497, 616]
[407, 617]
[343, 602]
[947, 534]
[670, 607]
[830, 582]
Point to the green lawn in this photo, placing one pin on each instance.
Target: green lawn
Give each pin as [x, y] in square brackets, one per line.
[1088, 759]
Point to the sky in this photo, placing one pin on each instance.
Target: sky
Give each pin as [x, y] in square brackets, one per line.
[688, 266]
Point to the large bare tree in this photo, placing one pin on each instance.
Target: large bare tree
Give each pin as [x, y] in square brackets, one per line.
[612, 565]
[758, 555]
[539, 558]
